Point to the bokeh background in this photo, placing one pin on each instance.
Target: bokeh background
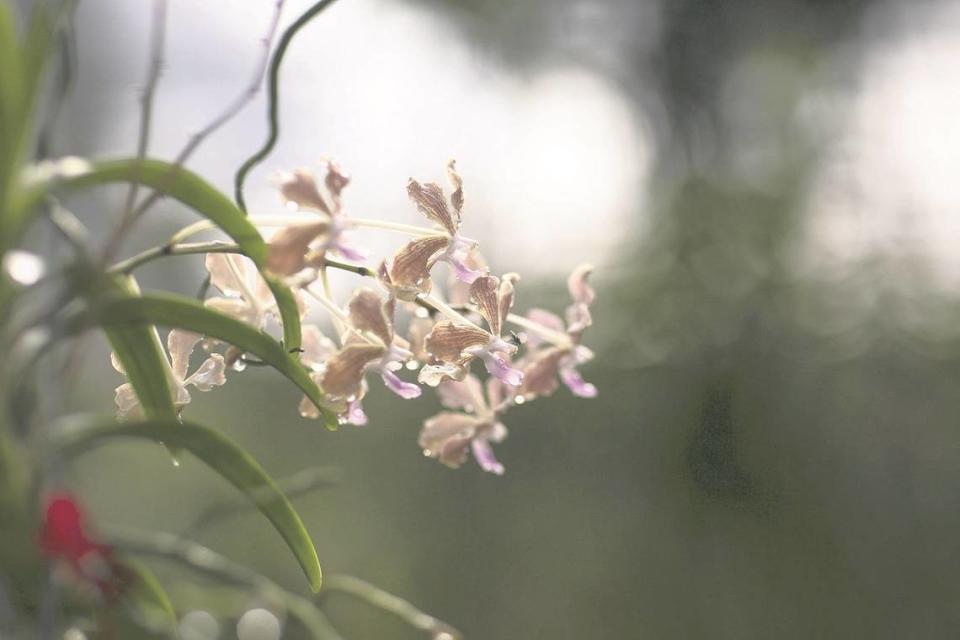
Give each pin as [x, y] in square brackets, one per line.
[769, 191]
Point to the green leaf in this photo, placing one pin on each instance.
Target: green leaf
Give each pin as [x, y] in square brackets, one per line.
[187, 313]
[144, 361]
[223, 456]
[150, 600]
[196, 193]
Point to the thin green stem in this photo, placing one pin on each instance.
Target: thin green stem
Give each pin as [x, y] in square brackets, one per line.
[273, 97]
[208, 562]
[377, 597]
[164, 250]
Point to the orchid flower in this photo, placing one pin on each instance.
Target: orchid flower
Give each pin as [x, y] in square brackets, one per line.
[180, 345]
[64, 537]
[450, 435]
[411, 266]
[316, 350]
[304, 244]
[456, 344]
[545, 365]
[246, 296]
[369, 346]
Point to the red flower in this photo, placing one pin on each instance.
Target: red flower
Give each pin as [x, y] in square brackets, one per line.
[64, 537]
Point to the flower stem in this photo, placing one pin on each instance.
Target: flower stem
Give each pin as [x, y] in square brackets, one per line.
[263, 221]
[395, 226]
[446, 310]
[556, 337]
[128, 265]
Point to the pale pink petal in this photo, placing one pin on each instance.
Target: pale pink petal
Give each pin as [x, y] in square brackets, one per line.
[336, 180]
[466, 395]
[580, 290]
[578, 319]
[548, 319]
[433, 374]
[367, 313]
[180, 344]
[446, 436]
[495, 391]
[128, 406]
[456, 198]
[223, 277]
[316, 348]
[540, 374]
[209, 375]
[236, 308]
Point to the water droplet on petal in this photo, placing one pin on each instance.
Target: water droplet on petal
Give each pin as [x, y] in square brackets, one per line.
[519, 399]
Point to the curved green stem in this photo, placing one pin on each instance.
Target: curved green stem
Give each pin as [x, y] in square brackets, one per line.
[161, 251]
[273, 119]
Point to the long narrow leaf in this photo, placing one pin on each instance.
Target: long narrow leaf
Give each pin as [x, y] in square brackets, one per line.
[196, 193]
[187, 313]
[220, 454]
[138, 348]
[149, 599]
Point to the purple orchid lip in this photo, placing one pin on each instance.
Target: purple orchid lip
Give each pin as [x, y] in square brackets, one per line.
[483, 454]
[497, 366]
[355, 413]
[456, 255]
[575, 382]
[406, 390]
[348, 252]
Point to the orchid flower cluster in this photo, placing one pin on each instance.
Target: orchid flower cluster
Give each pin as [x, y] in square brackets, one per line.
[443, 332]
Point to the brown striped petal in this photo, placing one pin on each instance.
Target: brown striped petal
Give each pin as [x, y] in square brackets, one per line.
[222, 276]
[540, 375]
[446, 436]
[300, 188]
[484, 294]
[344, 371]
[367, 313]
[411, 265]
[431, 203]
[505, 294]
[286, 254]
[448, 340]
[456, 198]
